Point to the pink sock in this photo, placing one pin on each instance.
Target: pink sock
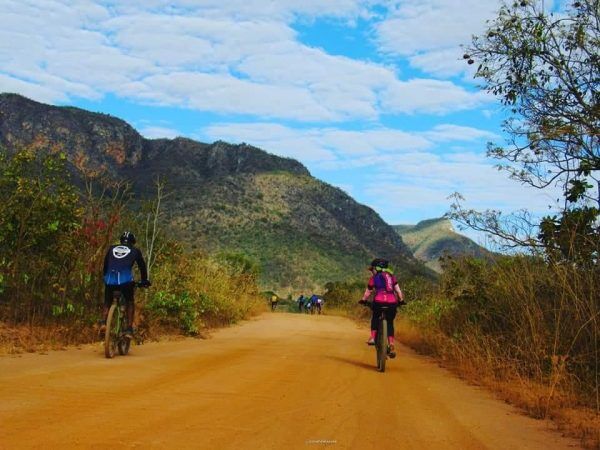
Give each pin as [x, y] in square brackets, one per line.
[391, 340]
[373, 334]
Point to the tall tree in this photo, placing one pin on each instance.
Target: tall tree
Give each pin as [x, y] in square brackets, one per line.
[545, 69]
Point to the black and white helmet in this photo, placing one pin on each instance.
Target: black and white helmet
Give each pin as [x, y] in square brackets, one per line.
[128, 238]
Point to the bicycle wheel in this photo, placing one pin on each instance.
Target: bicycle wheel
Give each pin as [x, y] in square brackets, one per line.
[123, 345]
[112, 331]
[382, 345]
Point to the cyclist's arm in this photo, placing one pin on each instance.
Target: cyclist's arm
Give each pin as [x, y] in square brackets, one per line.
[398, 292]
[139, 259]
[367, 293]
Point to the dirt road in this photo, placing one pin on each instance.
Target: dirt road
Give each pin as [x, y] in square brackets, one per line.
[280, 381]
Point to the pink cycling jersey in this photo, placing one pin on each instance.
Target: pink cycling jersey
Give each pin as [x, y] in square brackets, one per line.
[384, 284]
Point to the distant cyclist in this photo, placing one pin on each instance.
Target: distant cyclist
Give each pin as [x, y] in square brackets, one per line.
[301, 301]
[315, 303]
[274, 300]
[387, 293]
[118, 276]
[307, 306]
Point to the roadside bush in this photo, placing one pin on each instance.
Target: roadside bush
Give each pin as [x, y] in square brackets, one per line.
[519, 316]
[176, 311]
[197, 291]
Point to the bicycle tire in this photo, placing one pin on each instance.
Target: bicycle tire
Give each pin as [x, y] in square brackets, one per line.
[123, 345]
[382, 345]
[111, 333]
[378, 346]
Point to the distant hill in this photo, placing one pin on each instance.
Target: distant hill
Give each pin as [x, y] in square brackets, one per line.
[232, 198]
[433, 238]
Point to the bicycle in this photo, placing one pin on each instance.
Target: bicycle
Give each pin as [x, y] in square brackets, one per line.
[114, 336]
[381, 344]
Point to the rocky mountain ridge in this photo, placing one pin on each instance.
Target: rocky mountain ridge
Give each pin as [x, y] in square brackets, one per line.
[433, 238]
[233, 198]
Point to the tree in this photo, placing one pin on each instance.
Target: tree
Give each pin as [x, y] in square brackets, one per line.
[152, 230]
[545, 68]
[39, 215]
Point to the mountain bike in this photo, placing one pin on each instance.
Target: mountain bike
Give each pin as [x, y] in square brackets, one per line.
[381, 343]
[114, 336]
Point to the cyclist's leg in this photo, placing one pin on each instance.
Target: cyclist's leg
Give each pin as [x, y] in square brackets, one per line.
[127, 291]
[374, 323]
[390, 316]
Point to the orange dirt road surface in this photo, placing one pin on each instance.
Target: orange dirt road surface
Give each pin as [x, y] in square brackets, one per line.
[279, 381]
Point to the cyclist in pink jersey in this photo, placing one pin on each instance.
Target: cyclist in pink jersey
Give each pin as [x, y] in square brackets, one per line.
[387, 293]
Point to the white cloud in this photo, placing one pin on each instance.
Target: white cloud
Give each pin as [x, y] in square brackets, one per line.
[430, 96]
[56, 46]
[443, 63]
[487, 113]
[29, 89]
[430, 32]
[157, 132]
[226, 94]
[425, 25]
[178, 41]
[251, 9]
[225, 57]
[422, 186]
[450, 132]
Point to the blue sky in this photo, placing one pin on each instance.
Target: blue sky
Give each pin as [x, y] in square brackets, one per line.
[371, 95]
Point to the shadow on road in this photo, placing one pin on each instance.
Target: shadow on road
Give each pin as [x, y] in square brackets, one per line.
[352, 362]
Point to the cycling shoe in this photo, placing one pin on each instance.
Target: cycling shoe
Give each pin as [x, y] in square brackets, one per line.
[391, 351]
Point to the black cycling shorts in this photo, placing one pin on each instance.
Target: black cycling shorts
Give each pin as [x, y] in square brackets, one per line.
[126, 290]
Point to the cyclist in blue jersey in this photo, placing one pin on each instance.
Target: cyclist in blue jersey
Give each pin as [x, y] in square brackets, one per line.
[118, 276]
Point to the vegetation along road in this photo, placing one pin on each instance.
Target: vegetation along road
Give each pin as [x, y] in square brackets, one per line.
[278, 381]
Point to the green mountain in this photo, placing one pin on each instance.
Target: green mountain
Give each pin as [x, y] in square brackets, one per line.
[433, 238]
[223, 197]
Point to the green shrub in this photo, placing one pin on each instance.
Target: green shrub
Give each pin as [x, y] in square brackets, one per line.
[180, 311]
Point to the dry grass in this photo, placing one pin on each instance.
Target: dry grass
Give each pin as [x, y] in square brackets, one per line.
[537, 400]
[30, 339]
